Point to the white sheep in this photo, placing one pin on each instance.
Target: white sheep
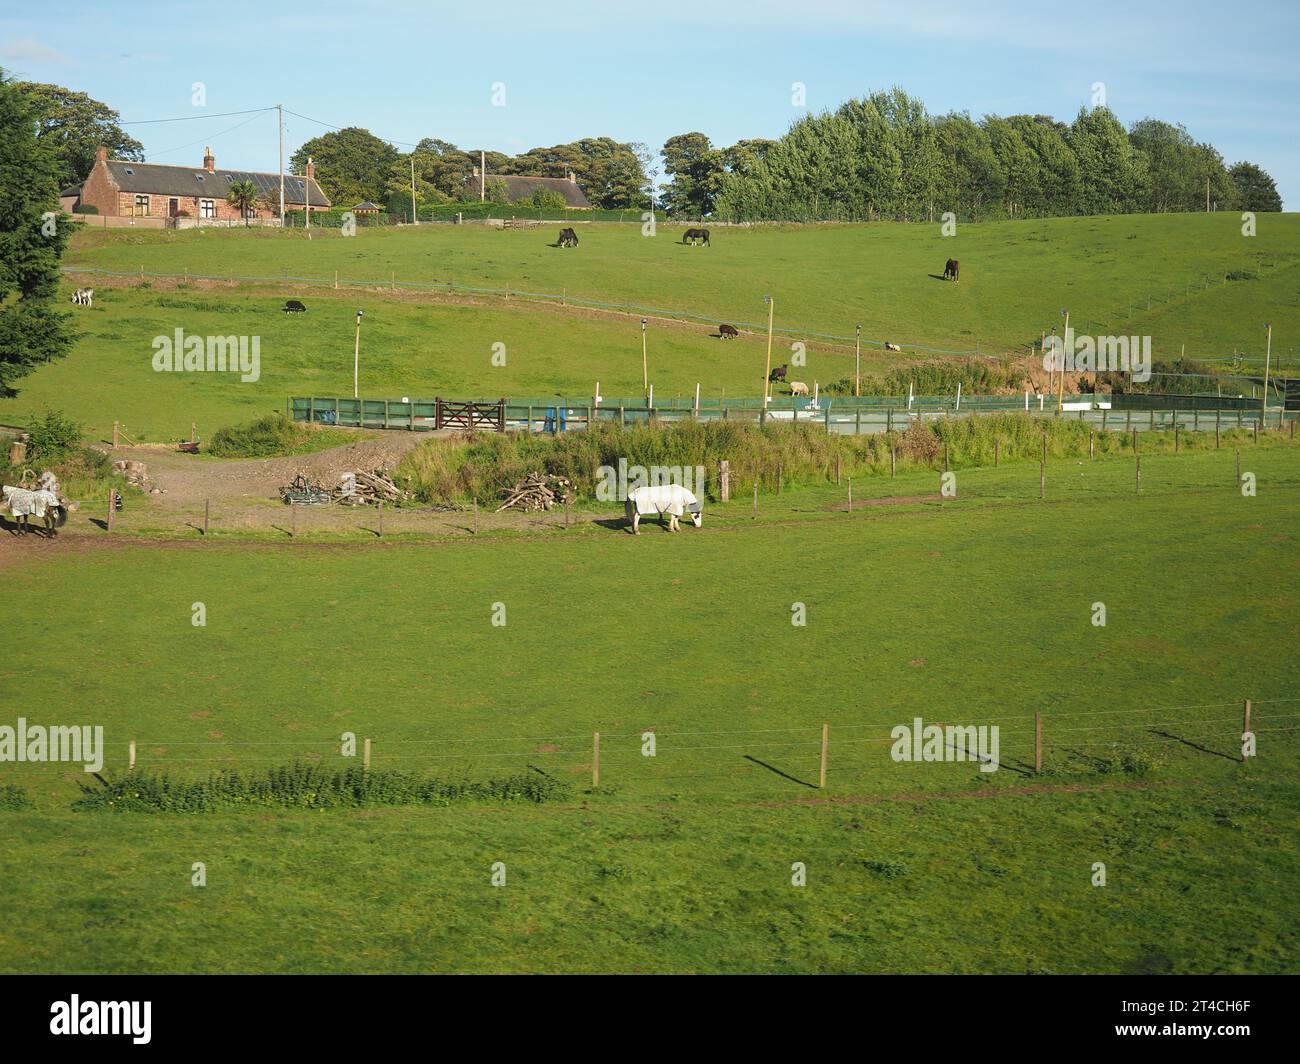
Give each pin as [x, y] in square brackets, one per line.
[798, 388]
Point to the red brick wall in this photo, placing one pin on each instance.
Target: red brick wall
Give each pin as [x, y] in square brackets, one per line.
[99, 190]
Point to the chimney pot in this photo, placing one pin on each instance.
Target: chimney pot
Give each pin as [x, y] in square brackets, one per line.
[101, 154]
[209, 162]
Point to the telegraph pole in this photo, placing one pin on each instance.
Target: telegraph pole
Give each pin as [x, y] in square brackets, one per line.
[857, 364]
[280, 107]
[645, 365]
[415, 218]
[1268, 354]
[767, 391]
[356, 360]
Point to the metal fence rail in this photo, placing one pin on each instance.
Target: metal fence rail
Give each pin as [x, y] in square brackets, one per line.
[839, 414]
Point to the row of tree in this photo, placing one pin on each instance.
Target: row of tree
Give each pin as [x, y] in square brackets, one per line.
[885, 156]
[353, 165]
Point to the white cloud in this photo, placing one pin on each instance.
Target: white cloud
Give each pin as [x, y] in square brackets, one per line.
[29, 51]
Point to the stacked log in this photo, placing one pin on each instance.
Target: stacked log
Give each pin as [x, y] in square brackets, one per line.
[537, 491]
[368, 488]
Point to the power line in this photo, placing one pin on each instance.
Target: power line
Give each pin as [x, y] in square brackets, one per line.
[195, 118]
[207, 139]
[327, 125]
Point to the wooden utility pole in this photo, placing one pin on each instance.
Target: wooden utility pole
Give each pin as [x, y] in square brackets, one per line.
[1038, 744]
[1268, 355]
[356, 371]
[645, 363]
[1060, 400]
[482, 178]
[857, 364]
[1245, 723]
[415, 218]
[826, 733]
[595, 760]
[280, 108]
[771, 309]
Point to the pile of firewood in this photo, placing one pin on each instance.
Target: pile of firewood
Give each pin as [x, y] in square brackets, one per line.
[368, 488]
[537, 491]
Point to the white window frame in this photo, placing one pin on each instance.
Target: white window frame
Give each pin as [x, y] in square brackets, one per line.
[207, 208]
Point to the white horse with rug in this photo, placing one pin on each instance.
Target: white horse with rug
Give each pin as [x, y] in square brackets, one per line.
[671, 499]
[43, 501]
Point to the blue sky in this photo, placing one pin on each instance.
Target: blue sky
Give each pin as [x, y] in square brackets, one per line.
[644, 72]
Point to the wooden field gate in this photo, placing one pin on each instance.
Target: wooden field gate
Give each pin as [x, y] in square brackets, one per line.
[469, 416]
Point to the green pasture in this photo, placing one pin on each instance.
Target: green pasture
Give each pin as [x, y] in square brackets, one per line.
[976, 610]
[1016, 276]
[406, 349]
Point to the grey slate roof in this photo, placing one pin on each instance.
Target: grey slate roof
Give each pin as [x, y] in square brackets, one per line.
[520, 187]
[159, 180]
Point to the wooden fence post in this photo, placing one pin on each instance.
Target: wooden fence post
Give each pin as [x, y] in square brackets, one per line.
[893, 461]
[365, 755]
[131, 761]
[1245, 725]
[115, 434]
[207, 512]
[1138, 474]
[595, 760]
[1238, 450]
[1091, 436]
[381, 519]
[1217, 415]
[756, 498]
[1038, 744]
[826, 733]
[850, 494]
[724, 480]
[112, 507]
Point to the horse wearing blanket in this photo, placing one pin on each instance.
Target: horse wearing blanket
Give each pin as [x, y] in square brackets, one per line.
[24, 504]
[671, 499]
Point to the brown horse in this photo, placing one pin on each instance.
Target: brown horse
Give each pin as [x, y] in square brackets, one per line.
[728, 332]
[951, 270]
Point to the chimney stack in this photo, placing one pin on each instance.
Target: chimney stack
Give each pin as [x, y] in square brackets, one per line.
[101, 154]
[209, 162]
[311, 169]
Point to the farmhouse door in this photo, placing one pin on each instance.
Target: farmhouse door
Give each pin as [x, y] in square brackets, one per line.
[173, 206]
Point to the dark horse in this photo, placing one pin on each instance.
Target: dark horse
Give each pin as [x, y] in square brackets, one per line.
[728, 332]
[568, 239]
[951, 270]
[692, 235]
[778, 374]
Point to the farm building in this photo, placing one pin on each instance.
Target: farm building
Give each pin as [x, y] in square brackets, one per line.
[119, 188]
[520, 188]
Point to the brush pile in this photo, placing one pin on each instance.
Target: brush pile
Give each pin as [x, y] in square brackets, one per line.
[368, 488]
[537, 491]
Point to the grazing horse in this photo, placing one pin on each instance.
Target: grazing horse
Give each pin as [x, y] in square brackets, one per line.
[671, 499]
[24, 503]
[951, 270]
[728, 332]
[692, 235]
[568, 238]
[777, 374]
[83, 297]
[294, 307]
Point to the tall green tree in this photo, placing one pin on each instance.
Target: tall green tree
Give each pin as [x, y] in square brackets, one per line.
[33, 237]
[73, 126]
[694, 166]
[1256, 191]
[1113, 176]
[351, 165]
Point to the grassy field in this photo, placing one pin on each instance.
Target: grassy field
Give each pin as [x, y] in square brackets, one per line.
[976, 610]
[407, 349]
[1016, 276]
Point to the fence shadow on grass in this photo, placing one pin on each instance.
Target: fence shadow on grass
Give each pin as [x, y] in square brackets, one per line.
[1194, 745]
[780, 772]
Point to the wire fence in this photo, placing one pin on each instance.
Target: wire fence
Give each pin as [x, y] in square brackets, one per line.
[802, 757]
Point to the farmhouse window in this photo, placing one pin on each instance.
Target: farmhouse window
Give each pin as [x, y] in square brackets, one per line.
[142, 205]
[207, 208]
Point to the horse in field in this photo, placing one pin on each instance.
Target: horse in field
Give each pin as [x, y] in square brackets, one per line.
[728, 332]
[670, 499]
[691, 236]
[84, 297]
[568, 238]
[26, 503]
[778, 374]
[951, 270]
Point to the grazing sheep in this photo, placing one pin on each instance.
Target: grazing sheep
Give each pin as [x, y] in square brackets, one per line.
[292, 306]
[671, 499]
[893, 347]
[798, 388]
[83, 297]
